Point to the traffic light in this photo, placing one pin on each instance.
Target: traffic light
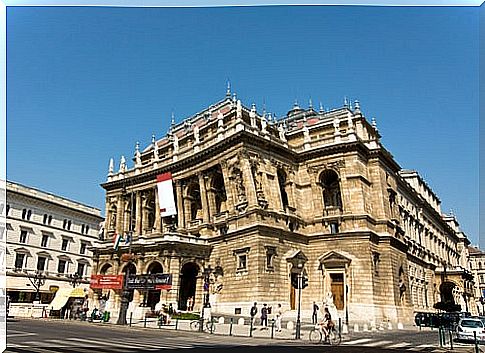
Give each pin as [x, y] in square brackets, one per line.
[304, 282]
[294, 282]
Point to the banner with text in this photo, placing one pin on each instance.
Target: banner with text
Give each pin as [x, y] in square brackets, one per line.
[153, 281]
[106, 281]
[166, 199]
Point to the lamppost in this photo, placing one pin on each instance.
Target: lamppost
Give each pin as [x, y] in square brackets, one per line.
[37, 280]
[298, 262]
[75, 279]
[126, 292]
[206, 303]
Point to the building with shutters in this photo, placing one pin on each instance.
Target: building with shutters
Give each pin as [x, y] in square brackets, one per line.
[50, 237]
[256, 195]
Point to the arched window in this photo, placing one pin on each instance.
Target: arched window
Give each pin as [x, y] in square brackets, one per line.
[219, 191]
[282, 185]
[193, 194]
[331, 189]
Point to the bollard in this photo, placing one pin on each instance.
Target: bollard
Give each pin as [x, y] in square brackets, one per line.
[439, 334]
[451, 339]
[476, 342]
[176, 324]
[251, 328]
[230, 328]
[272, 329]
[145, 322]
[131, 317]
[212, 326]
[339, 325]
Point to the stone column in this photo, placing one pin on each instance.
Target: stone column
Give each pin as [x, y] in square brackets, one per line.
[203, 197]
[138, 224]
[173, 268]
[120, 212]
[158, 218]
[229, 191]
[249, 183]
[180, 204]
[145, 211]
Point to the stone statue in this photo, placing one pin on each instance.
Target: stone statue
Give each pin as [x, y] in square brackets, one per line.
[329, 299]
[281, 132]
[196, 134]
[122, 164]
[175, 143]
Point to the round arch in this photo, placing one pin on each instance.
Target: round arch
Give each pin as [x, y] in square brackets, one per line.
[188, 283]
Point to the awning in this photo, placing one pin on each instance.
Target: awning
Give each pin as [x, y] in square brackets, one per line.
[63, 295]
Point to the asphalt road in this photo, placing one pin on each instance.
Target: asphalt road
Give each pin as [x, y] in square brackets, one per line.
[47, 336]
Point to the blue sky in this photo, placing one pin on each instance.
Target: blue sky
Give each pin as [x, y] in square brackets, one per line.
[84, 84]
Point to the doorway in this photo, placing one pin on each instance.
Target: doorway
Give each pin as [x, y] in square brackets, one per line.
[337, 289]
[188, 283]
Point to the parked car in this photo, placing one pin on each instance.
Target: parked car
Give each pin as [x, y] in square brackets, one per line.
[466, 328]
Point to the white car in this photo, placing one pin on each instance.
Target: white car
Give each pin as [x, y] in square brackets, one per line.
[467, 326]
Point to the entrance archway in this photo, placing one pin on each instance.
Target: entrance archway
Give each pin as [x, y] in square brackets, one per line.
[153, 296]
[130, 268]
[188, 283]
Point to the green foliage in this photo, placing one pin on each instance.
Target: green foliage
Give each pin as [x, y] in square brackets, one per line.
[186, 316]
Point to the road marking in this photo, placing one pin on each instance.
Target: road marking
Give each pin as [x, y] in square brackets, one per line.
[378, 343]
[21, 334]
[92, 343]
[399, 345]
[357, 342]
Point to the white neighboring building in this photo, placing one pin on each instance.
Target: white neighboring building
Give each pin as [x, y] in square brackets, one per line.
[50, 235]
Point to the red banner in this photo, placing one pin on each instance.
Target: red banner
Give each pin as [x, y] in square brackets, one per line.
[106, 281]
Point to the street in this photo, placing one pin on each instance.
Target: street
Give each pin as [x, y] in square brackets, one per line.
[30, 335]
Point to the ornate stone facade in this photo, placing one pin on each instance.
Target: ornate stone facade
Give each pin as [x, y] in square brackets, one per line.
[253, 193]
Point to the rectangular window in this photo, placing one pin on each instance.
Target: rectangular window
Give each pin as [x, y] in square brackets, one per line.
[45, 239]
[334, 228]
[23, 236]
[61, 267]
[80, 269]
[241, 263]
[19, 261]
[41, 261]
[82, 249]
[65, 244]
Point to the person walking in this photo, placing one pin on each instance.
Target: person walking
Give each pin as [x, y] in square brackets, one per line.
[264, 317]
[315, 313]
[279, 314]
[253, 312]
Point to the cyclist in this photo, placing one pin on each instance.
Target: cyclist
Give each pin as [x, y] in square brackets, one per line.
[326, 324]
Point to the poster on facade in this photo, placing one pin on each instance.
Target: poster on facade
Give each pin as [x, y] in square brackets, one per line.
[166, 199]
[152, 281]
[106, 282]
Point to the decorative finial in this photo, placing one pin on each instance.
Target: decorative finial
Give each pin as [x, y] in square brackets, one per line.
[321, 110]
[137, 154]
[153, 140]
[295, 105]
[253, 107]
[310, 104]
[452, 213]
[111, 166]
[234, 98]
[346, 102]
[137, 147]
[357, 105]
[122, 164]
[228, 90]
[374, 123]
[172, 122]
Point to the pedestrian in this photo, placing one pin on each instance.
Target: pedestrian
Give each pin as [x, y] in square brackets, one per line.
[102, 305]
[253, 312]
[279, 314]
[315, 313]
[264, 317]
[85, 308]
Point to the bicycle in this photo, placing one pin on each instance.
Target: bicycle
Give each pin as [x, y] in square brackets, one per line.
[332, 335]
[209, 326]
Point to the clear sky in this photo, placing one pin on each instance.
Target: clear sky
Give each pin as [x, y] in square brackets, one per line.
[84, 84]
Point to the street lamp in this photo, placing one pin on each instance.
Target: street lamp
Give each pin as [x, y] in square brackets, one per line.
[206, 303]
[124, 297]
[75, 279]
[298, 262]
[37, 280]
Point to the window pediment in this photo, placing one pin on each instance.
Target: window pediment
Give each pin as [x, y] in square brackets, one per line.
[334, 259]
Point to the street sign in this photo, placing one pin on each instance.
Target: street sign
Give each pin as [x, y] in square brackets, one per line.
[106, 281]
[153, 281]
